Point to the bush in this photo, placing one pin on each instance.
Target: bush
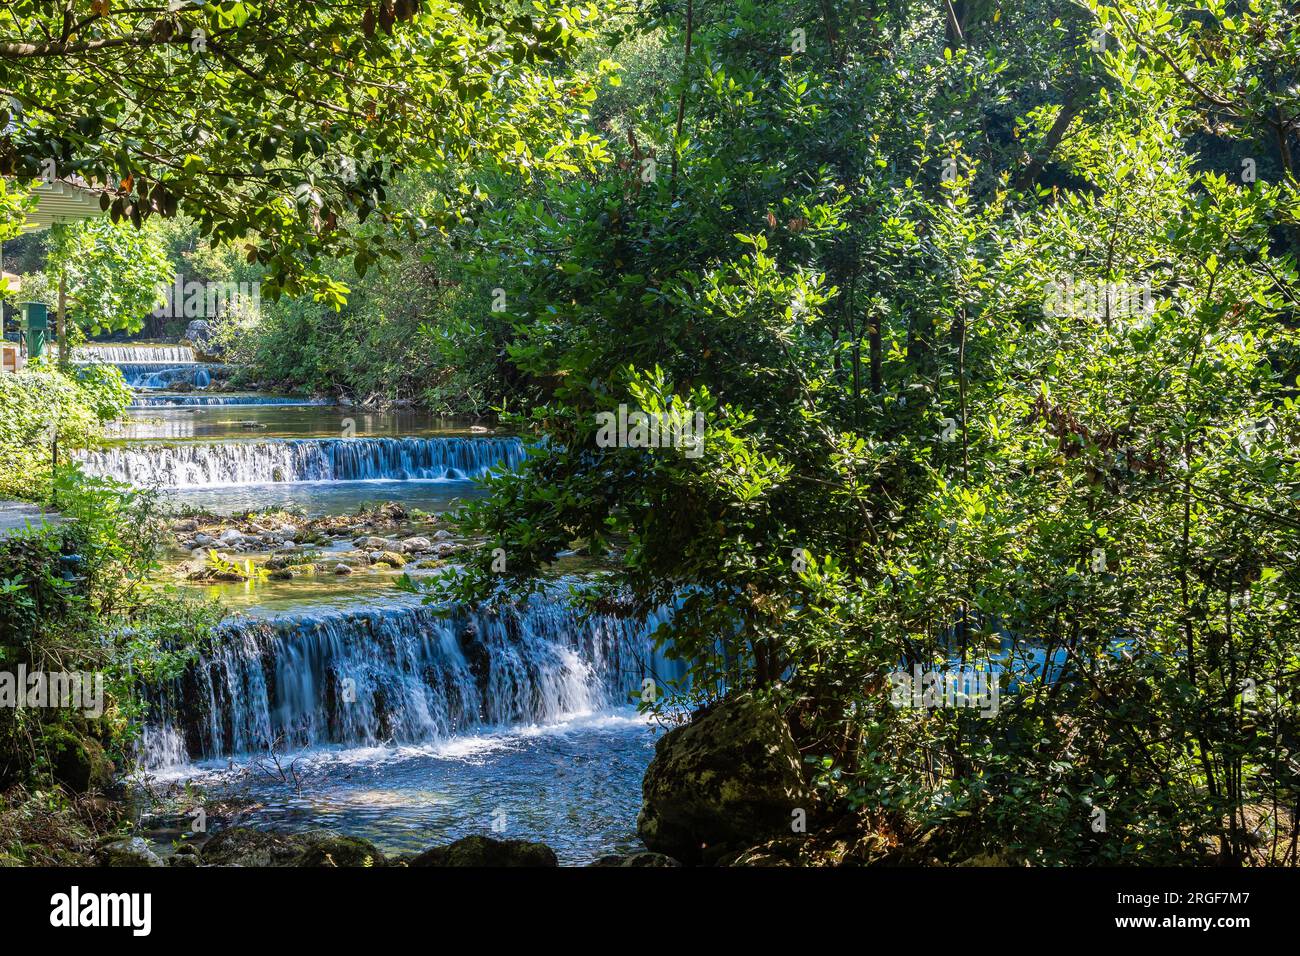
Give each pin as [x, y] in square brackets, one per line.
[42, 404]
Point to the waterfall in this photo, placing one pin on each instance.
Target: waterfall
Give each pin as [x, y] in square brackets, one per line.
[176, 401]
[302, 459]
[167, 374]
[404, 675]
[134, 354]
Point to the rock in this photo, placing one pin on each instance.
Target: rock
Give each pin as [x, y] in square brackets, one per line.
[201, 336]
[282, 574]
[186, 526]
[342, 568]
[202, 540]
[280, 561]
[442, 534]
[231, 536]
[393, 558]
[373, 543]
[416, 544]
[636, 860]
[243, 846]
[132, 852]
[726, 781]
[341, 851]
[79, 763]
[485, 851]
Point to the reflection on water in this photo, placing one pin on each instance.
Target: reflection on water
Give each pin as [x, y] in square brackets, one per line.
[316, 498]
[234, 422]
[362, 589]
[575, 786]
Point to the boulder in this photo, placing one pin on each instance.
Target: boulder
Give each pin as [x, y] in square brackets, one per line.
[79, 763]
[485, 851]
[374, 543]
[201, 336]
[342, 568]
[132, 852]
[636, 860]
[243, 846]
[724, 782]
[341, 851]
[202, 540]
[186, 526]
[231, 536]
[442, 534]
[415, 545]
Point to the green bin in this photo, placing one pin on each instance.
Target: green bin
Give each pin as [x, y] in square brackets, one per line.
[36, 324]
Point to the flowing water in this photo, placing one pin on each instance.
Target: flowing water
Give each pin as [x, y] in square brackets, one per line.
[347, 702]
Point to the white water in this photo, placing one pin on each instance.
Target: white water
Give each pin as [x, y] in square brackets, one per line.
[397, 675]
[303, 459]
[134, 354]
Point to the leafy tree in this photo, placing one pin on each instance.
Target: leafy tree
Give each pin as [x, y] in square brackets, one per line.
[281, 124]
[111, 275]
[991, 379]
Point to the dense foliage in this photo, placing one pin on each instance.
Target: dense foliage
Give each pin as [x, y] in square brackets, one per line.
[280, 124]
[998, 369]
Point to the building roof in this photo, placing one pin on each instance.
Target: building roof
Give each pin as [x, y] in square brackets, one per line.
[61, 202]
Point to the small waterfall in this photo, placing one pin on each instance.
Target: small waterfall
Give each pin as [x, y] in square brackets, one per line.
[167, 374]
[303, 459]
[134, 354]
[404, 675]
[179, 401]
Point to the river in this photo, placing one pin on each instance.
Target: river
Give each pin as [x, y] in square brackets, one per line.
[345, 702]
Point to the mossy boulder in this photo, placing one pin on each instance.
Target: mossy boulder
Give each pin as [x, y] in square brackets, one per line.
[484, 851]
[132, 852]
[724, 782]
[342, 851]
[243, 846]
[636, 860]
[79, 763]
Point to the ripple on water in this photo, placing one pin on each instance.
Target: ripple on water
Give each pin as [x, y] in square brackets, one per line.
[574, 785]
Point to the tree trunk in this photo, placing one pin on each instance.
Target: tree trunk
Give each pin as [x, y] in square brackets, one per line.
[61, 320]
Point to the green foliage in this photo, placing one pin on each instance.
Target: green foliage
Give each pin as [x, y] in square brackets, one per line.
[43, 405]
[282, 125]
[113, 275]
[992, 377]
[75, 598]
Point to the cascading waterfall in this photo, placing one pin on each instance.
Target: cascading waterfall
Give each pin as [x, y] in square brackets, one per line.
[165, 375]
[179, 401]
[134, 354]
[303, 459]
[405, 675]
